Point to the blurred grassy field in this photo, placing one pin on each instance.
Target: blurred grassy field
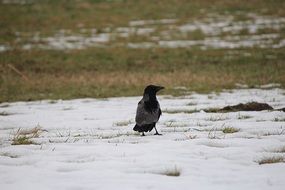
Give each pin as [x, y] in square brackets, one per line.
[120, 71]
[49, 15]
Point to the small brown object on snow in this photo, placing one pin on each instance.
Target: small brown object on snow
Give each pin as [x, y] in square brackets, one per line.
[251, 106]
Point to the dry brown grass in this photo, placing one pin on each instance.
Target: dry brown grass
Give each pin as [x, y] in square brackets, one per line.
[89, 84]
[133, 78]
[22, 140]
[114, 83]
[230, 130]
[24, 136]
[271, 160]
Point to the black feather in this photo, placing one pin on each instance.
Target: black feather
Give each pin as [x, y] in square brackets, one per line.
[144, 128]
[151, 105]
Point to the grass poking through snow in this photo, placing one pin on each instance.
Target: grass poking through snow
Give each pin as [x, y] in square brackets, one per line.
[278, 150]
[23, 137]
[22, 140]
[123, 123]
[230, 130]
[216, 118]
[4, 113]
[271, 160]
[175, 172]
[243, 116]
[276, 132]
[277, 119]
[7, 154]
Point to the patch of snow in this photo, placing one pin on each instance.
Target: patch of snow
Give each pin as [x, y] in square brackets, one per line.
[145, 31]
[280, 44]
[3, 48]
[218, 43]
[226, 24]
[271, 85]
[179, 43]
[83, 148]
[152, 22]
[62, 42]
[238, 85]
[21, 2]
[141, 45]
[125, 29]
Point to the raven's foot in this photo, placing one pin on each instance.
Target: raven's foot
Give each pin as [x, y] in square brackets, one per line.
[143, 134]
[156, 133]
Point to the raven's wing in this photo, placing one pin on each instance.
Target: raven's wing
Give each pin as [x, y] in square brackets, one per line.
[159, 113]
[144, 117]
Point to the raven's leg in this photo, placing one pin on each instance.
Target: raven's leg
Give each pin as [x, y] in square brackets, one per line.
[156, 133]
[143, 134]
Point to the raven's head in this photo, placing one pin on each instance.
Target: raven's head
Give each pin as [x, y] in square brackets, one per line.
[152, 89]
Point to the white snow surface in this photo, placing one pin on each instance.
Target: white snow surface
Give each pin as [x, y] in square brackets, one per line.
[90, 144]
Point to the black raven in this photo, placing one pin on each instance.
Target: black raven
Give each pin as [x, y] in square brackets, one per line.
[148, 111]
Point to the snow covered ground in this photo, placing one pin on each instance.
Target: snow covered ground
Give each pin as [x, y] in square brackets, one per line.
[89, 144]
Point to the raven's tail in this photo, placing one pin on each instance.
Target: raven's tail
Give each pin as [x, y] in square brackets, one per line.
[143, 128]
[136, 128]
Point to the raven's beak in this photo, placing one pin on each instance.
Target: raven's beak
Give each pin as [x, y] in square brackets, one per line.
[159, 88]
